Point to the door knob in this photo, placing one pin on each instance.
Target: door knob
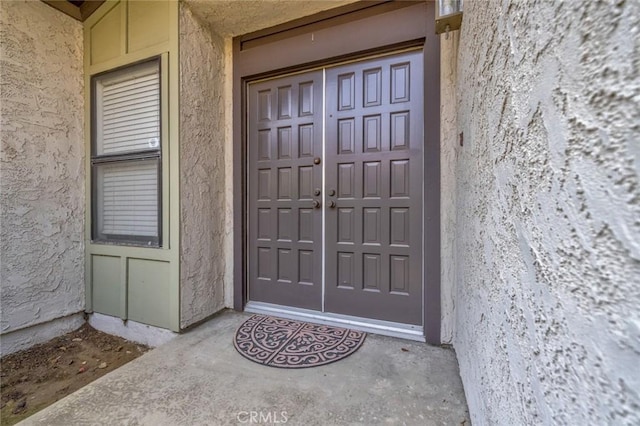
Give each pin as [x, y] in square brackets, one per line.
[332, 204]
[315, 204]
[317, 160]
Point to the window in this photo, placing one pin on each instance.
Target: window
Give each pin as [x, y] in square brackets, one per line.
[126, 156]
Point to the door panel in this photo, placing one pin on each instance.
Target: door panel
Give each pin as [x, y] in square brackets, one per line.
[374, 142]
[284, 135]
[372, 191]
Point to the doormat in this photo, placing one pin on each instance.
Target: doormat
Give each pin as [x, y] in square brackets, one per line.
[284, 343]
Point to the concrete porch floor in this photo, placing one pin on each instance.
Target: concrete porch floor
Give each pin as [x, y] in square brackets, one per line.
[199, 379]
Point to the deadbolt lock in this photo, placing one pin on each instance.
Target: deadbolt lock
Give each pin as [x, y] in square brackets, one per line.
[317, 160]
[332, 192]
[317, 192]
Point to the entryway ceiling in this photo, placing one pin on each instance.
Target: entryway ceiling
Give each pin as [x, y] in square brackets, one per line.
[237, 17]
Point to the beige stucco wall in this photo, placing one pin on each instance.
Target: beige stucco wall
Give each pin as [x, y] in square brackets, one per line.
[42, 171]
[230, 18]
[548, 212]
[448, 143]
[203, 178]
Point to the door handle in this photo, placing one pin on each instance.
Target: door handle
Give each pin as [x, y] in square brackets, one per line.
[332, 204]
[316, 204]
[317, 160]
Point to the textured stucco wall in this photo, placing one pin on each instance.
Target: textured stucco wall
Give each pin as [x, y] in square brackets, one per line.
[230, 18]
[448, 143]
[203, 119]
[228, 164]
[42, 166]
[548, 202]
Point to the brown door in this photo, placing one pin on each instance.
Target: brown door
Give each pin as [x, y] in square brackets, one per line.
[372, 191]
[285, 217]
[374, 140]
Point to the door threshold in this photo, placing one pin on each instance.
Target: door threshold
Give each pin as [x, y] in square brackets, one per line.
[385, 328]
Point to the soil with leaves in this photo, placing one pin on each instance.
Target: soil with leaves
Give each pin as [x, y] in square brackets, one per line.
[37, 377]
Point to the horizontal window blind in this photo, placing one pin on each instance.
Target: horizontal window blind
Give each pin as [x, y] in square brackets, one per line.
[128, 198]
[126, 156]
[128, 110]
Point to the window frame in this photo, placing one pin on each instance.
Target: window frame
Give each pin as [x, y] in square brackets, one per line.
[96, 160]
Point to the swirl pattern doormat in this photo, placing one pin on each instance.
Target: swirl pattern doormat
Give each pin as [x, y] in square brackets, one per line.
[284, 343]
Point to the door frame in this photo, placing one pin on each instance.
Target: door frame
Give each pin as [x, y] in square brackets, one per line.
[328, 38]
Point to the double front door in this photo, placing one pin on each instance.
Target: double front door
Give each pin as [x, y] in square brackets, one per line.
[335, 187]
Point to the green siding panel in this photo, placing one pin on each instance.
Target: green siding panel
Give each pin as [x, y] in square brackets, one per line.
[149, 292]
[107, 286]
[148, 24]
[106, 34]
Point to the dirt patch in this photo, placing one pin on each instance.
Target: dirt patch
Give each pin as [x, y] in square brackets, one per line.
[37, 377]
